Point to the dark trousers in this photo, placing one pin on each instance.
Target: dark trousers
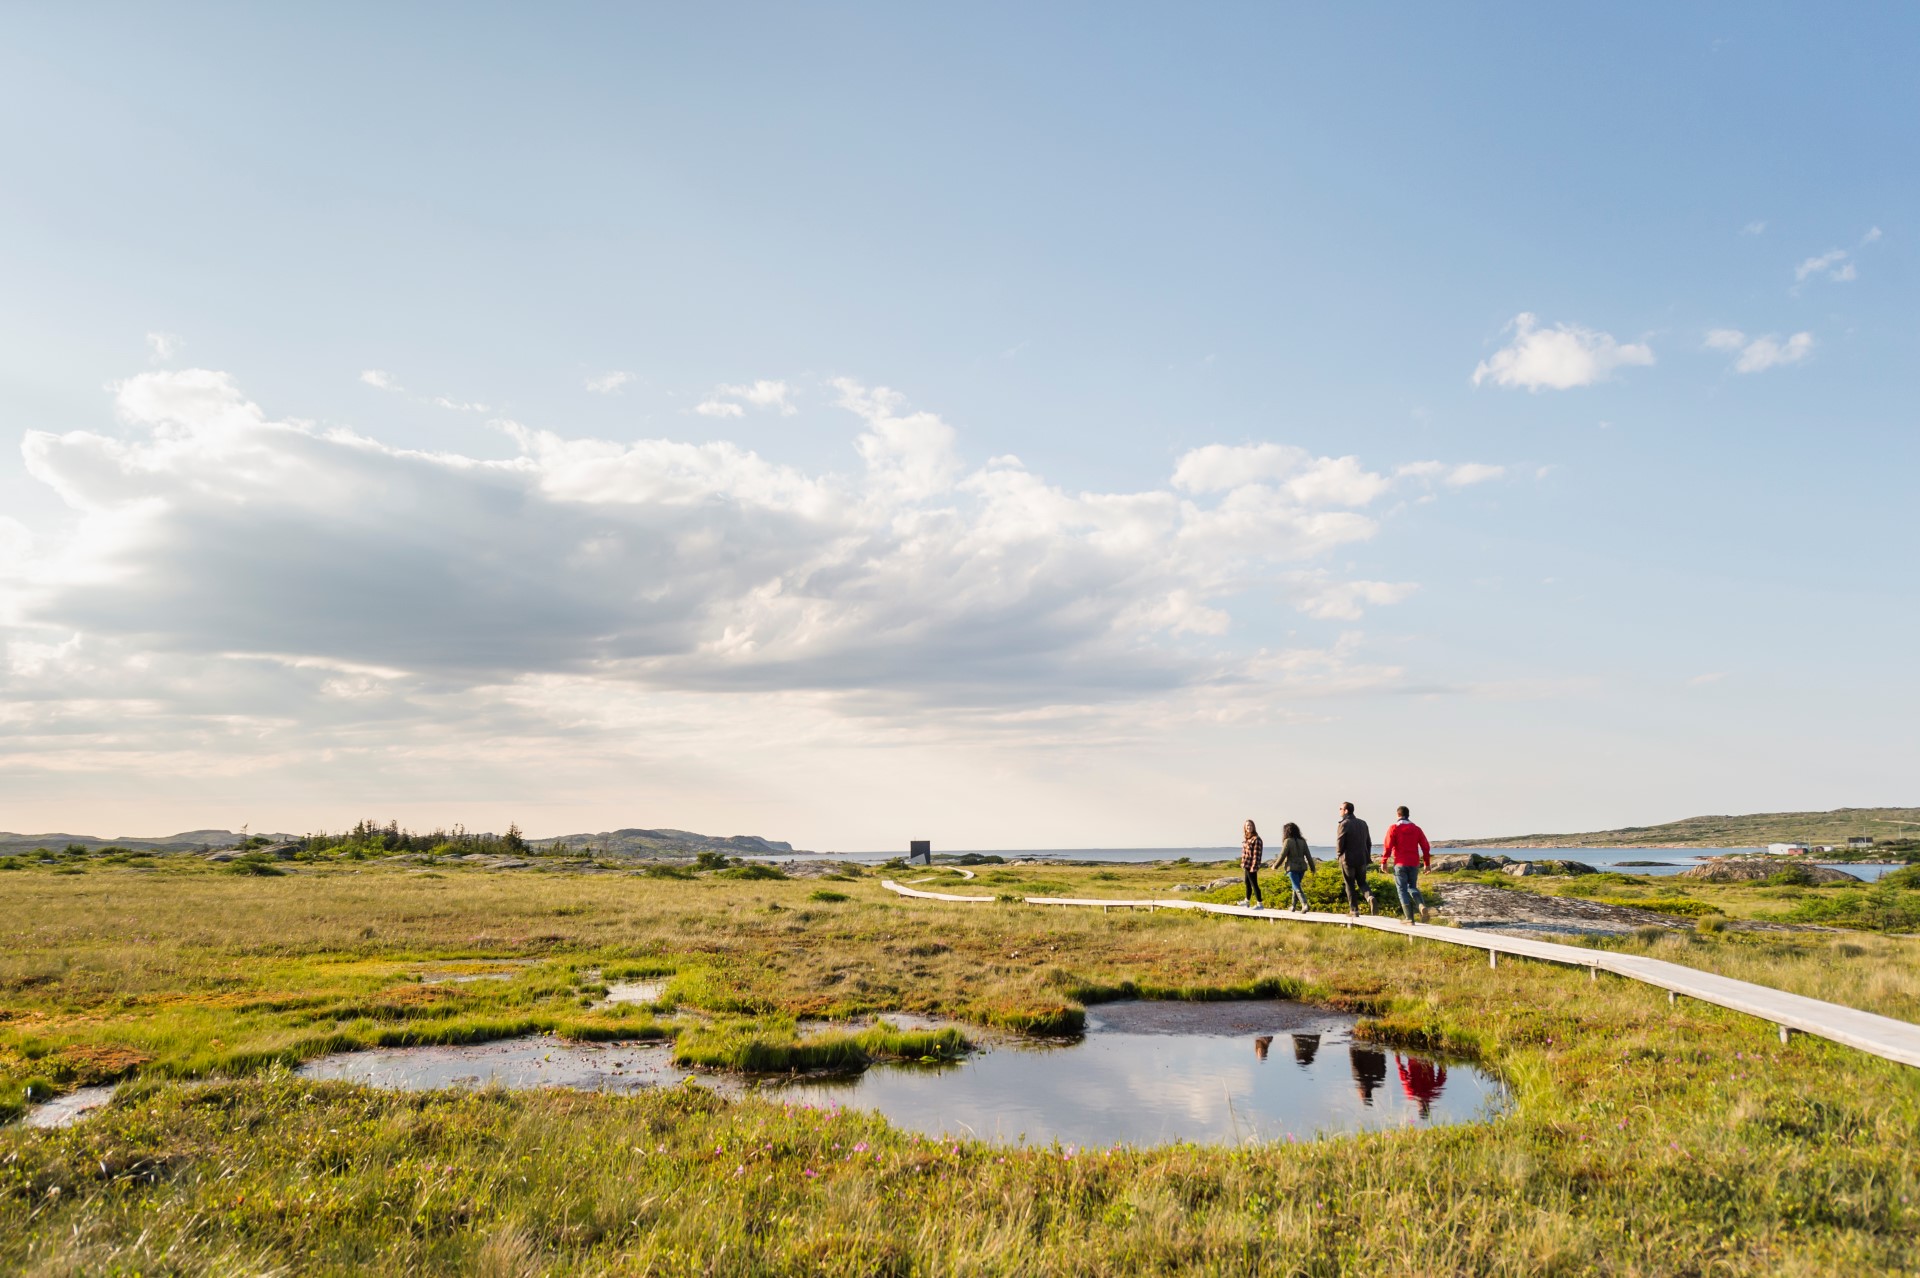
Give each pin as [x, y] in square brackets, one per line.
[1253, 884]
[1353, 881]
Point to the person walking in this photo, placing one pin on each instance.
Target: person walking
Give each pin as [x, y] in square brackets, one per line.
[1296, 858]
[1353, 849]
[1251, 848]
[1406, 852]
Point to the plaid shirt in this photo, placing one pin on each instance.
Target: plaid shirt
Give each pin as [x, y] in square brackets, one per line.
[1250, 849]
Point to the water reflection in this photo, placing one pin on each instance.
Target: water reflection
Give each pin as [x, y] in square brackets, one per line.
[1421, 1079]
[1151, 1073]
[1369, 1070]
[1145, 1073]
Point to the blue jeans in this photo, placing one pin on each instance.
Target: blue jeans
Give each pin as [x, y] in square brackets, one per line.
[1406, 881]
[1299, 891]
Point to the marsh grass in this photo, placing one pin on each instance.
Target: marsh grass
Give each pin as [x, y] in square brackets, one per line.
[763, 1047]
[1641, 1138]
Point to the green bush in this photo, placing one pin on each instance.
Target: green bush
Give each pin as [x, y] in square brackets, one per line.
[710, 861]
[1881, 908]
[668, 872]
[1908, 878]
[827, 894]
[753, 871]
[1789, 876]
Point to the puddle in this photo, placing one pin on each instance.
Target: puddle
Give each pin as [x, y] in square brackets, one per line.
[63, 1111]
[514, 1063]
[1148, 1073]
[634, 992]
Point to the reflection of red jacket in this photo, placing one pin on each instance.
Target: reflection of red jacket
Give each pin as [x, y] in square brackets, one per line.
[1421, 1079]
[1406, 845]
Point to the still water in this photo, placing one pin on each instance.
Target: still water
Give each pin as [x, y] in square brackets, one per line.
[1149, 1073]
[1145, 1073]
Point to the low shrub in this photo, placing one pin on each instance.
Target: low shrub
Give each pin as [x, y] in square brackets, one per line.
[827, 894]
[754, 871]
[1881, 908]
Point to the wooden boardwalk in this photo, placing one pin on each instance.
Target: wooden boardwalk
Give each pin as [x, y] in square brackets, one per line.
[1882, 1036]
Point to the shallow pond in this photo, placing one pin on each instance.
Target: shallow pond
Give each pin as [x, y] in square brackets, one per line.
[513, 1063]
[1149, 1073]
[1145, 1073]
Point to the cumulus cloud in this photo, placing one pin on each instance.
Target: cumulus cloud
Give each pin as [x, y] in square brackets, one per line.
[608, 383]
[1757, 354]
[165, 345]
[1754, 228]
[243, 573]
[1557, 358]
[733, 401]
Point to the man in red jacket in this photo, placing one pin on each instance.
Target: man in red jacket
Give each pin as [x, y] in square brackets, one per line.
[1406, 852]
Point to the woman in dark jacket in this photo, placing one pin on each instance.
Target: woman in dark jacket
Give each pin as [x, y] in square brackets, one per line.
[1251, 846]
[1296, 859]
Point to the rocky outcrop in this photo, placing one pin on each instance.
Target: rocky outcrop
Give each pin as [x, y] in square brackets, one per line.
[1513, 910]
[1520, 869]
[1447, 861]
[1753, 869]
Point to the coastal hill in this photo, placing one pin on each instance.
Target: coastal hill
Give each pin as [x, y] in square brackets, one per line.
[186, 841]
[1883, 825]
[610, 843]
[667, 843]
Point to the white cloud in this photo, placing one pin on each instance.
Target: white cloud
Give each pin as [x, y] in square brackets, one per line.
[1760, 353]
[353, 578]
[1873, 233]
[726, 401]
[165, 345]
[380, 379]
[1557, 358]
[1754, 228]
[608, 383]
[1453, 476]
[1347, 600]
[1832, 263]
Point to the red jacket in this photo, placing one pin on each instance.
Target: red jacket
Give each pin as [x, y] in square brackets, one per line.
[1406, 845]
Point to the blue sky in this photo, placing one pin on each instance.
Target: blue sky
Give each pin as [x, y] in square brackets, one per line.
[591, 417]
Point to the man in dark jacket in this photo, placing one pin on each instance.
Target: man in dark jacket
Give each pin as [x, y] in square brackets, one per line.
[1353, 848]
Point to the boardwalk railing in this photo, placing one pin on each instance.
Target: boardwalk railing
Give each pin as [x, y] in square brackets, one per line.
[1879, 1035]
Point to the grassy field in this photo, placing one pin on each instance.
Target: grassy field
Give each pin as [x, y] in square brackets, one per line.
[1642, 1138]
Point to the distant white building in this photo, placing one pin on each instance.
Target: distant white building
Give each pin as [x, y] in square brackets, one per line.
[1786, 849]
[1860, 841]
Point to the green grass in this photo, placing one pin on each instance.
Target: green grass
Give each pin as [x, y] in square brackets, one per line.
[761, 1047]
[1641, 1138]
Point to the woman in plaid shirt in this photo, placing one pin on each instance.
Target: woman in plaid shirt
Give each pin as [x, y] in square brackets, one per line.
[1251, 847]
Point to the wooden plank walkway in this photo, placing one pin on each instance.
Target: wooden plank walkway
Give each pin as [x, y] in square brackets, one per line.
[1882, 1036]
